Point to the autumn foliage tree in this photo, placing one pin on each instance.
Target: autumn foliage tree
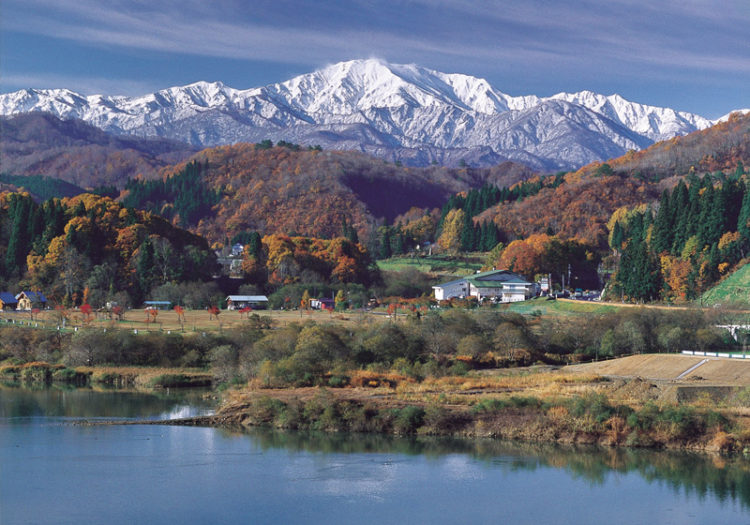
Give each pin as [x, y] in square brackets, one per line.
[90, 246]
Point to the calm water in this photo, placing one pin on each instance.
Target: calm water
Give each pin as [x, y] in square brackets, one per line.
[54, 472]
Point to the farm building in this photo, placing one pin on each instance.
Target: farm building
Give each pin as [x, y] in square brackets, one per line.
[31, 300]
[157, 305]
[238, 302]
[500, 285]
[8, 302]
[324, 303]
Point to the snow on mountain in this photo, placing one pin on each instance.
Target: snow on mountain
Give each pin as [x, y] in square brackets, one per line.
[371, 105]
[653, 122]
[726, 117]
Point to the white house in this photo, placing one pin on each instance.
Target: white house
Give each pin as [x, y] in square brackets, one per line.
[459, 288]
[503, 285]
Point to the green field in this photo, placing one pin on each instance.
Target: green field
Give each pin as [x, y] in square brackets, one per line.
[560, 307]
[442, 265]
[735, 289]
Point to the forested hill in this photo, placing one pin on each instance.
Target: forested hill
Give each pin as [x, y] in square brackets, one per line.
[78, 153]
[292, 190]
[718, 148]
[88, 247]
[582, 206]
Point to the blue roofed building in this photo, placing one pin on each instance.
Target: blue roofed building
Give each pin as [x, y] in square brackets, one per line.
[8, 302]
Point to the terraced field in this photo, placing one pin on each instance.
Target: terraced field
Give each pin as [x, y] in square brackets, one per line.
[672, 367]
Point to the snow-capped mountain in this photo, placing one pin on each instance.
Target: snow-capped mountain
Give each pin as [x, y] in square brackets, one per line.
[401, 112]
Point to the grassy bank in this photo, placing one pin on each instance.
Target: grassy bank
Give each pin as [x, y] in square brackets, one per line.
[530, 405]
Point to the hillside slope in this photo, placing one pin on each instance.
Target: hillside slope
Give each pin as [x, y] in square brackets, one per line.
[284, 190]
[581, 207]
[717, 148]
[734, 289]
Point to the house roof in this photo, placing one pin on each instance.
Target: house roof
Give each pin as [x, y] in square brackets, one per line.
[441, 285]
[34, 297]
[480, 280]
[247, 298]
[499, 276]
[8, 298]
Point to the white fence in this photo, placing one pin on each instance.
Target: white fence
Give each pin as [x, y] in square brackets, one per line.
[715, 354]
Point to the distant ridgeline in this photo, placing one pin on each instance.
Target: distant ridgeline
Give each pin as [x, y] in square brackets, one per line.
[699, 232]
[184, 195]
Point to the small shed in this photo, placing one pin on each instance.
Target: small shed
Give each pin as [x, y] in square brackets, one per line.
[158, 305]
[324, 303]
[30, 300]
[8, 302]
[238, 302]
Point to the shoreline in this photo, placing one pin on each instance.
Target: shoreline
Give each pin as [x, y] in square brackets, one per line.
[520, 420]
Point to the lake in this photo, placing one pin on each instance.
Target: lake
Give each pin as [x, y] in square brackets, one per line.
[52, 471]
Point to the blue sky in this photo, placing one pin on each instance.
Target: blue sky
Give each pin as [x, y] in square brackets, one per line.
[691, 55]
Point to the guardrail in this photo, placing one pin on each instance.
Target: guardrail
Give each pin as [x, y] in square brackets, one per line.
[715, 354]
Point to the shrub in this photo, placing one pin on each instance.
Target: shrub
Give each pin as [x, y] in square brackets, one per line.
[107, 378]
[71, 376]
[406, 420]
[178, 380]
[495, 405]
[593, 405]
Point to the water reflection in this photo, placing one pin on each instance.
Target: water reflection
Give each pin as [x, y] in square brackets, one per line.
[235, 471]
[727, 478]
[55, 401]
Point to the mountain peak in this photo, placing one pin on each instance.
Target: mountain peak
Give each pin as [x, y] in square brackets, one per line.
[371, 103]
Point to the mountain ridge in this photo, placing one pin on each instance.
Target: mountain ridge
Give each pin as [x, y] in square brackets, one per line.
[401, 111]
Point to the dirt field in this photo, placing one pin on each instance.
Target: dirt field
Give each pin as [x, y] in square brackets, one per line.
[669, 367]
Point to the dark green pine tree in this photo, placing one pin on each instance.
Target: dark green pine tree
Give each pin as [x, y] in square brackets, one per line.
[644, 283]
[79, 210]
[145, 269]
[712, 270]
[618, 237]
[385, 243]
[349, 231]
[467, 234]
[398, 241]
[639, 272]
[19, 213]
[705, 227]
[734, 192]
[680, 204]
[715, 216]
[740, 170]
[490, 236]
[254, 244]
[743, 222]
[663, 233]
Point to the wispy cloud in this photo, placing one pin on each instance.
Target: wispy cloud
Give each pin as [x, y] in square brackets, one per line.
[518, 32]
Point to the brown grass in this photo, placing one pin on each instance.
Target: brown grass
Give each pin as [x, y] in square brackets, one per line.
[195, 320]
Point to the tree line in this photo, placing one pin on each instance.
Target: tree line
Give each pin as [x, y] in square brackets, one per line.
[698, 232]
[91, 249]
[184, 196]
